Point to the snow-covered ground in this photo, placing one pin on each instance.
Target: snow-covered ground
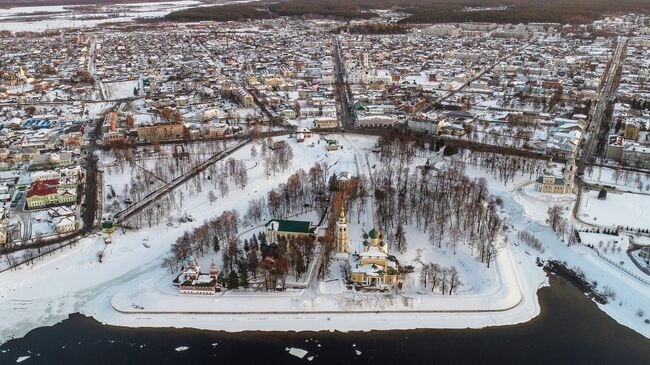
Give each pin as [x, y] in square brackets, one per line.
[618, 209]
[630, 293]
[74, 281]
[536, 204]
[62, 16]
[145, 165]
[612, 247]
[121, 89]
[622, 180]
[43, 18]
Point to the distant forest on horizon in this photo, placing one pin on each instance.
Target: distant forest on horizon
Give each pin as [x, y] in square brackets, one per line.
[420, 11]
[423, 11]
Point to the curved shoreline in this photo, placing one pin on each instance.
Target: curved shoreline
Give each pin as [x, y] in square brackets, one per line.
[515, 301]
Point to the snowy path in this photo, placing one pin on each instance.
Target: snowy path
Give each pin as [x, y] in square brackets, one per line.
[363, 169]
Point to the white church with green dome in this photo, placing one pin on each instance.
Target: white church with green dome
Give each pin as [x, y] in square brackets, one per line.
[374, 267]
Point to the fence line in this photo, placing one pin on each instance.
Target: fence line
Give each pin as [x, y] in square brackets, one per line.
[625, 270]
[43, 253]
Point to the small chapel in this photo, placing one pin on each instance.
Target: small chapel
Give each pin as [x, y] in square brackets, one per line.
[193, 281]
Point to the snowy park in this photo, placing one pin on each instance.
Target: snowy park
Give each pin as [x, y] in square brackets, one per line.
[131, 282]
[617, 209]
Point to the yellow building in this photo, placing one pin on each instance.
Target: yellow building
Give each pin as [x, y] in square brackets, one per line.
[549, 182]
[631, 130]
[161, 132]
[374, 267]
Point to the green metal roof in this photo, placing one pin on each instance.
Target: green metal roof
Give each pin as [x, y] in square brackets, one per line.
[292, 226]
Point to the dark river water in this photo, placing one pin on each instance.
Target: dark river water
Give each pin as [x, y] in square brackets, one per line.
[570, 330]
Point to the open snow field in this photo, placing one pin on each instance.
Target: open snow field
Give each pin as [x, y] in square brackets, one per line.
[44, 18]
[74, 281]
[155, 169]
[121, 89]
[61, 16]
[618, 209]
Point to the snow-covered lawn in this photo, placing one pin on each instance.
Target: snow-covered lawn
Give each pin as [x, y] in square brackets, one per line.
[614, 248]
[618, 209]
[120, 89]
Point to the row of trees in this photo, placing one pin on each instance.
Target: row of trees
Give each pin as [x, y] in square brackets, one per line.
[531, 240]
[299, 192]
[518, 11]
[219, 13]
[237, 172]
[436, 278]
[422, 11]
[302, 192]
[268, 265]
[341, 194]
[148, 173]
[641, 180]
[502, 167]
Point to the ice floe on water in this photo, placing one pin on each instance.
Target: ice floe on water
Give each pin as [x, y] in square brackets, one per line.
[297, 352]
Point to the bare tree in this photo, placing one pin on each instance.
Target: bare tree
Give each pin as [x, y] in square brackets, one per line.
[554, 217]
[454, 281]
[211, 197]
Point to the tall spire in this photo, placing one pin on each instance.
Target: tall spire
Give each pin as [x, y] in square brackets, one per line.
[549, 167]
[342, 235]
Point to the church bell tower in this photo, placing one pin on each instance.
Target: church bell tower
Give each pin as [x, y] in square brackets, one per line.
[342, 233]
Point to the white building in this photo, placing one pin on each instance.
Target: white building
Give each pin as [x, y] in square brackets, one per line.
[65, 225]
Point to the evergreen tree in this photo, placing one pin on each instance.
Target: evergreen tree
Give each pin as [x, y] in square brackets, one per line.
[233, 280]
[262, 238]
[215, 244]
[243, 277]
